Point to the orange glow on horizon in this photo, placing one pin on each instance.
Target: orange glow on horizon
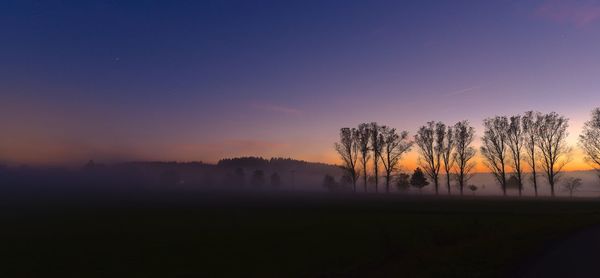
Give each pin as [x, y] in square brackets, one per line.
[410, 162]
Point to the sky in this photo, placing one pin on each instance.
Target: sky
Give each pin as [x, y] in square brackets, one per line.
[204, 80]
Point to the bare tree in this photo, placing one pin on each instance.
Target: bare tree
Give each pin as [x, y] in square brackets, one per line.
[440, 134]
[377, 148]
[494, 148]
[348, 150]
[447, 149]
[363, 139]
[516, 141]
[571, 185]
[394, 146]
[589, 140]
[530, 122]
[428, 141]
[552, 142]
[464, 135]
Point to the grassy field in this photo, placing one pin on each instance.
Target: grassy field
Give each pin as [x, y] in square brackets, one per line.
[282, 236]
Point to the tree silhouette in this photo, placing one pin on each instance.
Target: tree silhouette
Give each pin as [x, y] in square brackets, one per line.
[494, 148]
[447, 150]
[371, 180]
[275, 180]
[464, 135]
[552, 132]
[258, 178]
[516, 140]
[377, 148]
[589, 140]
[403, 182]
[512, 182]
[473, 188]
[418, 179]
[429, 144]
[346, 180]
[394, 146]
[329, 182]
[348, 149]
[239, 177]
[245, 162]
[363, 139]
[531, 122]
[571, 185]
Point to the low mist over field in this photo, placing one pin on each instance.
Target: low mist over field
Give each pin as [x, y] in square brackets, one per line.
[248, 174]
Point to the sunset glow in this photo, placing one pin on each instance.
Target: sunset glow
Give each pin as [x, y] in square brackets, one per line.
[196, 83]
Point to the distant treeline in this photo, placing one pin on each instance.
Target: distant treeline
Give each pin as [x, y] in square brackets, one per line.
[244, 173]
[276, 164]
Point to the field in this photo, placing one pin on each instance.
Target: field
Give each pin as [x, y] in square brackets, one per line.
[281, 235]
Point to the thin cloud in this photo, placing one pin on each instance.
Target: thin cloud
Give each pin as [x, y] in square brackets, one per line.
[276, 108]
[460, 92]
[577, 13]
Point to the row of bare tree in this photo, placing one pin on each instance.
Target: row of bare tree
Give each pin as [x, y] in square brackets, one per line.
[372, 145]
[372, 142]
[517, 145]
[534, 138]
[448, 146]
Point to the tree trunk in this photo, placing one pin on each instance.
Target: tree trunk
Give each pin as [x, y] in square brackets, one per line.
[365, 179]
[503, 180]
[534, 184]
[534, 178]
[448, 181]
[461, 183]
[551, 176]
[387, 182]
[520, 184]
[503, 185]
[376, 169]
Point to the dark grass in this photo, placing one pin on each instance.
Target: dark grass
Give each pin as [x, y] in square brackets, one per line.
[282, 235]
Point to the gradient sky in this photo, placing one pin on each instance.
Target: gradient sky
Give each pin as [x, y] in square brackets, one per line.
[202, 80]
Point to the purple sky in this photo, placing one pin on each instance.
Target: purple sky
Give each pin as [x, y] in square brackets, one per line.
[202, 80]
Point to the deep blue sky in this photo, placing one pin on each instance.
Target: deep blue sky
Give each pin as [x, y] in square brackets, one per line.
[199, 80]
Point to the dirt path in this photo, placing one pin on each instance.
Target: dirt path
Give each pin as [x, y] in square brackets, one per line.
[576, 256]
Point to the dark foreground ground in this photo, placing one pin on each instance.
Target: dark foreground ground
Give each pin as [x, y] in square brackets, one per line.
[280, 235]
[573, 256]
